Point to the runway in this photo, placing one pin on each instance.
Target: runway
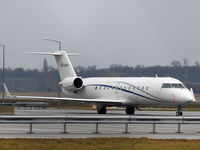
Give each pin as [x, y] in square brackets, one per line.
[164, 131]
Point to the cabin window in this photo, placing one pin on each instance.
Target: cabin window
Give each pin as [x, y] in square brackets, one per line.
[129, 88]
[147, 88]
[95, 87]
[104, 88]
[142, 88]
[125, 87]
[99, 87]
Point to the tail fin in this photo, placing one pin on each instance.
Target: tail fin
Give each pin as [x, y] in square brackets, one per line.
[64, 65]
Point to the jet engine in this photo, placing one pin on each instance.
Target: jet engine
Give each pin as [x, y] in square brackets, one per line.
[72, 83]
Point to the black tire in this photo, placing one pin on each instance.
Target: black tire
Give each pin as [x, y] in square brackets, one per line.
[130, 110]
[179, 113]
[101, 110]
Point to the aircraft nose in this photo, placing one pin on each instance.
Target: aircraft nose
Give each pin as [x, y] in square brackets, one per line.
[186, 96]
[189, 97]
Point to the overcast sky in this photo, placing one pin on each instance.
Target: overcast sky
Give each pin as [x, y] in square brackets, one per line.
[127, 32]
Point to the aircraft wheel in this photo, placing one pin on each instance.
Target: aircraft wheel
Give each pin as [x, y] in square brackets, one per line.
[101, 110]
[180, 113]
[130, 110]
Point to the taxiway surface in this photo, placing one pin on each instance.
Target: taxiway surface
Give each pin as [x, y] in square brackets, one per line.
[164, 131]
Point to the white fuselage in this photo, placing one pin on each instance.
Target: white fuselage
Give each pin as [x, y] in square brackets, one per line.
[135, 91]
[130, 92]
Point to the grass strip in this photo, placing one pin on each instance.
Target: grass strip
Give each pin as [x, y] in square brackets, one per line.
[98, 144]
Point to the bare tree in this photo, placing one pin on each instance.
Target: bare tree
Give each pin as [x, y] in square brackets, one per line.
[197, 64]
[185, 62]
[45, 65]
[176, 63]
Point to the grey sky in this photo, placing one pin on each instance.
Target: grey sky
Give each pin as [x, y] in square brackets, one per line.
[127, 32]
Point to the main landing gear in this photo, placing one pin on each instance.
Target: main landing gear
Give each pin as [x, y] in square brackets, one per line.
[179, 111]
[101, 110]
[130, 110]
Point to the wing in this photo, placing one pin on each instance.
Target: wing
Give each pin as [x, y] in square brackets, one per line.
[108, 101]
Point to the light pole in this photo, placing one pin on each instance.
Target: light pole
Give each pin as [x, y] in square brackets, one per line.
[59, 42]
[3, 76]
[59, 47]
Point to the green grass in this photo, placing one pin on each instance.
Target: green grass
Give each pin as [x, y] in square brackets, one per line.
[6, 110]
[98, 144]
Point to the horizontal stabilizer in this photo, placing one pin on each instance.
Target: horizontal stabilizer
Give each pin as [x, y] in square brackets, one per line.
[57, 53]
[44, 53]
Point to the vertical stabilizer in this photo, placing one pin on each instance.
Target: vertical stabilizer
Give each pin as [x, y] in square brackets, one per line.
[64, 65]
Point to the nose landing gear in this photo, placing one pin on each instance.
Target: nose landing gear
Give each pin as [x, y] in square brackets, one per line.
[179, 111]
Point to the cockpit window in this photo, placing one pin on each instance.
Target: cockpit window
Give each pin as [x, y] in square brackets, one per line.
[166, 85]
[174, 85]
[178, 86]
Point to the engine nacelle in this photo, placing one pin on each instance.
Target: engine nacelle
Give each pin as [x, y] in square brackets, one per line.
[72, 83]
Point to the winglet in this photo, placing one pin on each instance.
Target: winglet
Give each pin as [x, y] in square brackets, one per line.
[6, 90]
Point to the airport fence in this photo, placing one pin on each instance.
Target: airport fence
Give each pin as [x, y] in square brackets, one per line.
[97, 120]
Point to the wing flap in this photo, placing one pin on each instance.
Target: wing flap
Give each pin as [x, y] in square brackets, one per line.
[67, 99]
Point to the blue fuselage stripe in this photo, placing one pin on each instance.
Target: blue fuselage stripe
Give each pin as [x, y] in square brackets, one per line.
[126, 91]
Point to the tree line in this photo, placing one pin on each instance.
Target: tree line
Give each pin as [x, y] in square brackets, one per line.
[46, 80]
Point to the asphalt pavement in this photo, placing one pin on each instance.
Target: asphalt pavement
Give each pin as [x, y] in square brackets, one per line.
[163, 131]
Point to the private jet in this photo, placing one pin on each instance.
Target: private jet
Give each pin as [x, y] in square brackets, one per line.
[129, 92]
